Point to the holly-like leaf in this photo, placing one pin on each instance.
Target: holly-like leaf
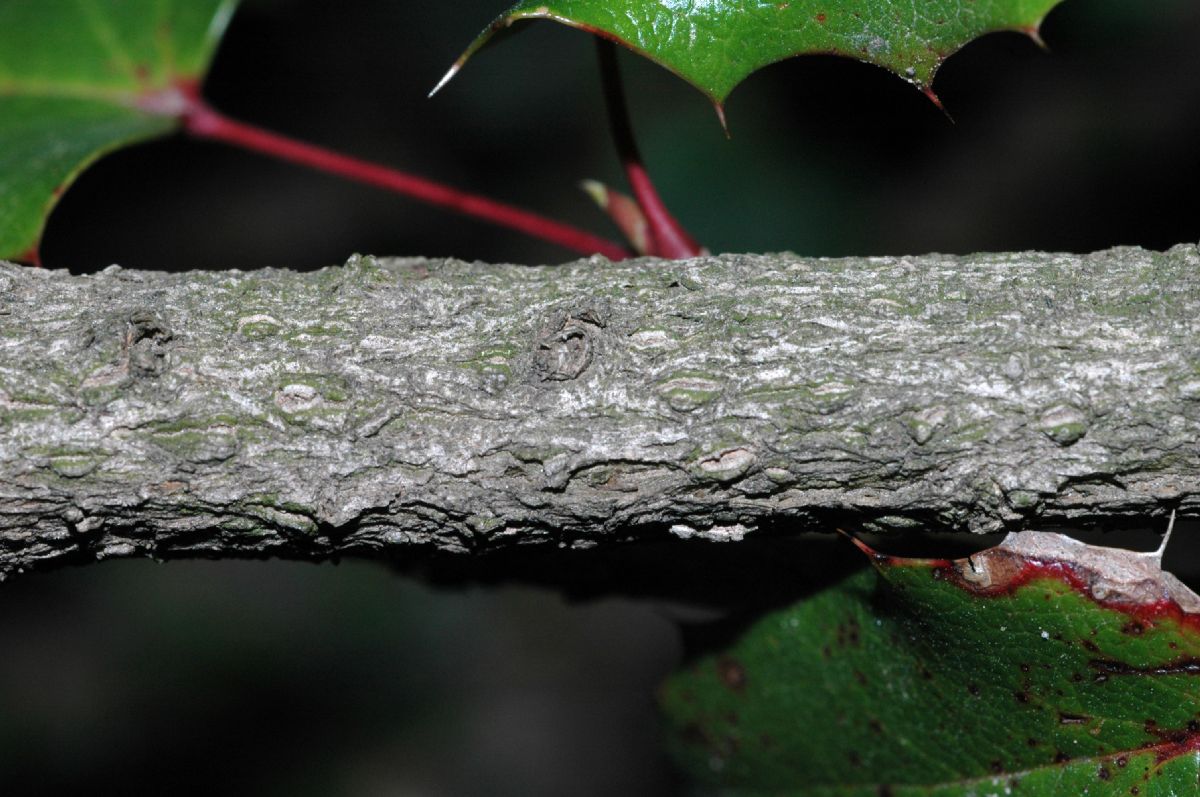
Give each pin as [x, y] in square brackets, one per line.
[716, 44]
[79, 78]
[1040, 667]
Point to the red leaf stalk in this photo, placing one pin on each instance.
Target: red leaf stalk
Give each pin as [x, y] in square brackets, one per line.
[668, 238]
[202, 121]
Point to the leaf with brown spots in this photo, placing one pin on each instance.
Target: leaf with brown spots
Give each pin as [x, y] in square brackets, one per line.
[1042, 666]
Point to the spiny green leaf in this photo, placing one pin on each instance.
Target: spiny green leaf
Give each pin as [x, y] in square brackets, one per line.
[79, 78]
[1040, 667]
[716, 44]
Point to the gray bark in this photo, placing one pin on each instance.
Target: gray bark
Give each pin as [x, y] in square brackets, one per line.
[402, 405]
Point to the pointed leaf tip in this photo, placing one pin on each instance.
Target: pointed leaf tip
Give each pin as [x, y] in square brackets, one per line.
[937, 103]
[719, 107]
[446, 78]
[1034, 32]
[1162, 546]
[716, 44]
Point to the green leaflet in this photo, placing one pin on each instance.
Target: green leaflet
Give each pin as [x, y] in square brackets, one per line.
[78, 78]
[716, 44]
[1024, 671]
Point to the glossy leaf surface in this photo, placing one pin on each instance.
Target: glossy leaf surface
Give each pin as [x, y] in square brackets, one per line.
[1039, 667]
[716, 44]
[79, 78]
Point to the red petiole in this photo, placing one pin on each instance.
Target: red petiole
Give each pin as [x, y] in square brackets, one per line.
[202, 121]
[667, 237]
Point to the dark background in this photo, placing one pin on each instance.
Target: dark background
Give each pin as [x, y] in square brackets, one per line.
[1088, 146]
[290, 678]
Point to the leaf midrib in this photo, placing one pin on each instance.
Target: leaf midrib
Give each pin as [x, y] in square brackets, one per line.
[54, 90]
[107, 38]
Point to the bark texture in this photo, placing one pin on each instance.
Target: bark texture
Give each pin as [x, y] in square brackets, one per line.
[402, 405]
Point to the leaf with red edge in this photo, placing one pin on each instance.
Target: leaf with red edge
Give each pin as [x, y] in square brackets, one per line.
[716, 44]
[79, 79]
[1042, 666]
